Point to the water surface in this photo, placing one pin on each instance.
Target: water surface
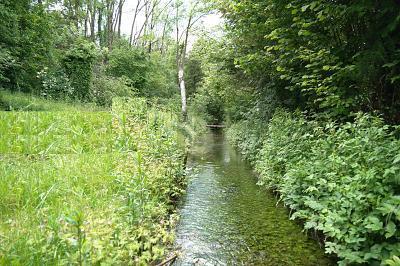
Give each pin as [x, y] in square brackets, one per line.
[226, 219]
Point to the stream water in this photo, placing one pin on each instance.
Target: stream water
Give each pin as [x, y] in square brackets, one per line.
[226, 219]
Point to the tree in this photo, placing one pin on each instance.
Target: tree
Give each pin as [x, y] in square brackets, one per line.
[184, 22]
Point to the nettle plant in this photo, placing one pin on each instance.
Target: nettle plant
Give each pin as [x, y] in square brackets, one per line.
[343, 180]
[55, 84]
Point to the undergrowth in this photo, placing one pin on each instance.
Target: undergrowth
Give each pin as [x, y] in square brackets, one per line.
[14, 101]
[340, 179]
[89, 187]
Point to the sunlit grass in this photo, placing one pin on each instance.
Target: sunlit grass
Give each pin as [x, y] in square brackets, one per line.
[55, 132]
[88, 187]
[15, 101]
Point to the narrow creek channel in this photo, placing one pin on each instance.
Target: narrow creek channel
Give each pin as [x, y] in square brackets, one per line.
[226, 219]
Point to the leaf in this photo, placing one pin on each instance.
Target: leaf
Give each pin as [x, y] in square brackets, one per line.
[390, 229]
[304, 33]
[304, 8]
[396, 159]
[394, 63]
[374, 223]
[395, 261]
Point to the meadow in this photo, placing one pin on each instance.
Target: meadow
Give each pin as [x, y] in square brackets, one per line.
[85, 186]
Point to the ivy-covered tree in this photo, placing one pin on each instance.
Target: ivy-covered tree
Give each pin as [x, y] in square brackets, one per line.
[78, 64]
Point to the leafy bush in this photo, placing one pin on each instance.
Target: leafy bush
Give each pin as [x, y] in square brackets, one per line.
[56, 85]
[78, 63]
[340, 179]
[248, 138]
[6, 62]
[161, 81]
[105, 88]
[208, 103]
[335, 57]
[27, 43]
[131, 63]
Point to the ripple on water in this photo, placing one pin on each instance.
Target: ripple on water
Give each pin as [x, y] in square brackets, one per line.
[226, 219]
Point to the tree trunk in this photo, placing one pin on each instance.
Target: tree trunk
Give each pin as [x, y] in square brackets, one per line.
[163, 35]
[110, 15]
[137, 10]
[121, 5]
[181, 63]
[99, 31]
[182, 87]
[86, 23]
[92, 20]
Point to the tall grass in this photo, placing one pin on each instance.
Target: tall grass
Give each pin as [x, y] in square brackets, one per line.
[89, 187]
[14, 101]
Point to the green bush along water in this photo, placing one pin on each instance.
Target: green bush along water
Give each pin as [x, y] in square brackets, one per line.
[89, 187]
[341, 180]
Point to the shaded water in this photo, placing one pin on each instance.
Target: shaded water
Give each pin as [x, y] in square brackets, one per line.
[226, 219]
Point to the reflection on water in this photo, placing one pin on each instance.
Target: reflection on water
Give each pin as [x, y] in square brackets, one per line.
[226, 219]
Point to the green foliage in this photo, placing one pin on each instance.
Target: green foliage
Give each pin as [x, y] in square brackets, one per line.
[45, 50]
[324, 56]
[78, 64]
[25, 102]
[27, 40]
[7, 62]
[342, 180]
[162, 82]
[131, 63]
[220, 93]
[86, 187]
[193, 76]
[208, 103]
[247, 138]
[55, 84]
[150, 75]
[105, 88]
[395, 261]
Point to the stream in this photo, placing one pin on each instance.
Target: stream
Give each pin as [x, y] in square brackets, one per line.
[226, 219]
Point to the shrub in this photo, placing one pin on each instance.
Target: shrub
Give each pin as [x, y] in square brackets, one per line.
[343, 180]
[105, 88]
[6, 62]
[248, 138]
[128, 62]
[78, 63]
[55, 84]
[162, 75]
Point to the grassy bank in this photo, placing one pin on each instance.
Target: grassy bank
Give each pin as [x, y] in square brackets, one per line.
[79, 186]
[340, 179]
[14, 101]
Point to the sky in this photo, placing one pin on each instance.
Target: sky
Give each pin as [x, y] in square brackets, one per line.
[209, 22]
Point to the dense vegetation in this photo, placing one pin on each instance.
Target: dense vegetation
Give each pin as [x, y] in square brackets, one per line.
[92, 150]
[342, 180]
[310, 92]
[46, 49]
[89, 187]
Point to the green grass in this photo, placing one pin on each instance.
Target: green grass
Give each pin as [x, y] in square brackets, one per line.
[84, 187]
[14, 101]
[55, 132]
